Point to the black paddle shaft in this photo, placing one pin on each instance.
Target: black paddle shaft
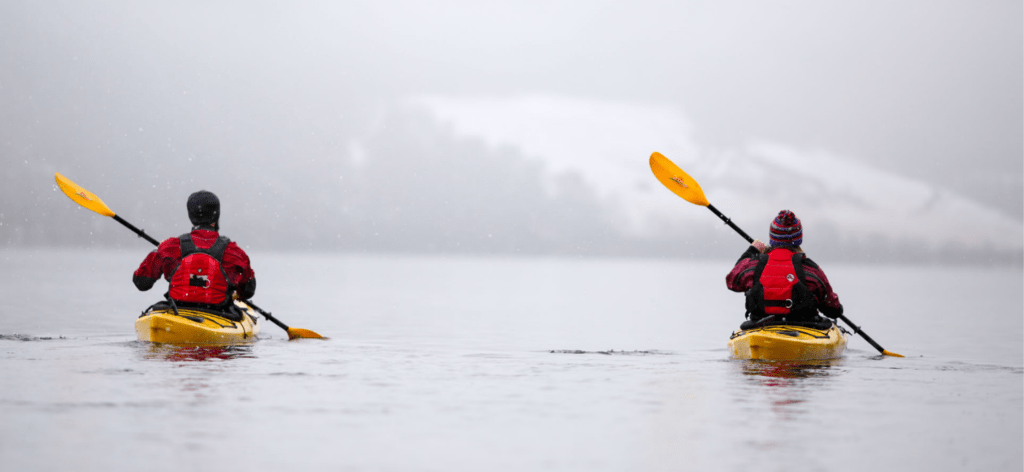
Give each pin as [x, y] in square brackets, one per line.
[267, 315]
[142, 234]
[857, 330]
[730, 223]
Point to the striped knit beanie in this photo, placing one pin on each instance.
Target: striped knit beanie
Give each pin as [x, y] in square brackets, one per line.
[786, 230]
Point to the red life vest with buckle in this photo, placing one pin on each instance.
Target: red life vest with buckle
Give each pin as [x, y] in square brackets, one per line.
[780, 288]
[199, 277]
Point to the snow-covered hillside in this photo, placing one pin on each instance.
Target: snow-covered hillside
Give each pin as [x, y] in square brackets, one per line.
[609, 144]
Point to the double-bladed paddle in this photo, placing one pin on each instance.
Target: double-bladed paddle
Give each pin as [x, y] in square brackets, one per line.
[90, 201]
[681, 184]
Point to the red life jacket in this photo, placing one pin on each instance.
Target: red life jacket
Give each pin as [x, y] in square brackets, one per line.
[780, 288]
[199, 277]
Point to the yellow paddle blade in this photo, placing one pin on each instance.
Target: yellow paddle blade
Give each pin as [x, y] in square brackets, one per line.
[679, 182]
[296, 333]
[82, 196]
[893, 354]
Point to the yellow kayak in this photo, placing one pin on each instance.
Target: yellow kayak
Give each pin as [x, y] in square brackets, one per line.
[785, 342]
[160, 324]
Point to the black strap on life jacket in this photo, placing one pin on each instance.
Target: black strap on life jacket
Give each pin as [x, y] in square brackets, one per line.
[188, 247]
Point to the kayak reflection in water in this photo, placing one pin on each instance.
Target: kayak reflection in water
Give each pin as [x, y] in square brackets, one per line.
[189, 353]
[789, 385]
[782, 284]
[204, 269]
[777, 373]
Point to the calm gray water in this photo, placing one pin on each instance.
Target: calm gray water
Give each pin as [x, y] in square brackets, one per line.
[446, 364]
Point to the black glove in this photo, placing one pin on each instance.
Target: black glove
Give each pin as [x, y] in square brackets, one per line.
[247, 290]
[143, 283]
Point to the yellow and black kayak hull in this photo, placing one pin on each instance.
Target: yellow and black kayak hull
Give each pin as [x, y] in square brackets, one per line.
[194, 326]
[785, 342]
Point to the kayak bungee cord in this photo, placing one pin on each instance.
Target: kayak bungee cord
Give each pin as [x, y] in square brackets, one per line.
[785, 329]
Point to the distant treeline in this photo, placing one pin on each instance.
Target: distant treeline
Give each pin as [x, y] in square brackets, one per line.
[407, 185]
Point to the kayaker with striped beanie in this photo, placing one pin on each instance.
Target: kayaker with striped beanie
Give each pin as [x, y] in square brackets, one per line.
[202, 267]
[782, 284]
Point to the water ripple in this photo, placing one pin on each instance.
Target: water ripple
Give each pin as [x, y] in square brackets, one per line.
[612, 352]
[25, 337]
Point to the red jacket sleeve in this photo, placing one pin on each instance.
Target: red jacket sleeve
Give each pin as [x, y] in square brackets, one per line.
[828, 301]
[239, 270]
[237, 265]
[160, 262]
[741, 277]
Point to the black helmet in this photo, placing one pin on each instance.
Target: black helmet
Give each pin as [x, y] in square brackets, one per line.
[203, 208]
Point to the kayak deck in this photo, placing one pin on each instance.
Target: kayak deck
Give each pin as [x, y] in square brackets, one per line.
[786, 342]
[196, 326]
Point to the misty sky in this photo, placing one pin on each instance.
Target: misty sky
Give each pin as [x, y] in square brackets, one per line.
[927, 89]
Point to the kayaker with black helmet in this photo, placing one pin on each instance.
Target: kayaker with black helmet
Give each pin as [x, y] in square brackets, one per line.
[203, 268]
[782, 284]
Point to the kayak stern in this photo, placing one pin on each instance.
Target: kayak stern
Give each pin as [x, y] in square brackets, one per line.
[189, 326]
[785, 342]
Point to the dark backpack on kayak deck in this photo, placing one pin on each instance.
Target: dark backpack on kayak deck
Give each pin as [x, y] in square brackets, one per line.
[199, 277]
[780, 289]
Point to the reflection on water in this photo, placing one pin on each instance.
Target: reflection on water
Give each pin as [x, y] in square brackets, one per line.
[193, 353]
[788, 384]
[196, 366]
[787, 372]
